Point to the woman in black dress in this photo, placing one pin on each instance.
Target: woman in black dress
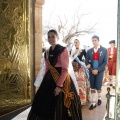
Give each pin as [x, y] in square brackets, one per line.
[56, 98]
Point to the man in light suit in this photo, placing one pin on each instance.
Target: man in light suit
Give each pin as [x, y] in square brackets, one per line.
[97, 57]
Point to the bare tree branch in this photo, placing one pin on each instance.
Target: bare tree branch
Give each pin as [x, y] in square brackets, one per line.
[69, 28]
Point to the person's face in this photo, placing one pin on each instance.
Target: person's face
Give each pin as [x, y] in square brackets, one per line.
[95, 42]
[76, 43]
[112, 45]
[52, 38]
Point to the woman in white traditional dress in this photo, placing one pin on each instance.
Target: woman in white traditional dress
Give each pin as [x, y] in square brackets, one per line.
[78, 56]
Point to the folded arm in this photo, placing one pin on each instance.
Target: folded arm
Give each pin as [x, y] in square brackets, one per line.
[88, 62]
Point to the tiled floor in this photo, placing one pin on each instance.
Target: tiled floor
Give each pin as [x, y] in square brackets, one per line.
[22, 116]
[97, 114]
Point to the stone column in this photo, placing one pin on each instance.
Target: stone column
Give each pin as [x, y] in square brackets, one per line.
[117, 98]
[38, 34]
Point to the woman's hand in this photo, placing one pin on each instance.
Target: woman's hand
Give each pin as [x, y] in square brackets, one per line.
[57, 91]
[111, 56]
[88, 66]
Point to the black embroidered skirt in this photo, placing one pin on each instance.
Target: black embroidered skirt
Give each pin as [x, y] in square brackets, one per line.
[46, 106]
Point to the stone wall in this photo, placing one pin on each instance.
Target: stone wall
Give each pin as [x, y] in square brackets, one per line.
[38, 34]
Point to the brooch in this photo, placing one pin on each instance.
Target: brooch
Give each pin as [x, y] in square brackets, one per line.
[101, 53]
[51, 55]
[89, 61]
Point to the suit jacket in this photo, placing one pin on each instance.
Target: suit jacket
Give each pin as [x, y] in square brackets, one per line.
[103, 58]
[114, 55]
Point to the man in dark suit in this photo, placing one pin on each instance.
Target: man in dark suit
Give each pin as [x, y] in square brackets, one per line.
[97, 58]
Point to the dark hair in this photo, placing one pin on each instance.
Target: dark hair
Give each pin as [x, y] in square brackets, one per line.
[54, 31]
[95, 36]
[77, 40]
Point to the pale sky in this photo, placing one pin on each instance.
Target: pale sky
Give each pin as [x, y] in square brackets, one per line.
[102, 12]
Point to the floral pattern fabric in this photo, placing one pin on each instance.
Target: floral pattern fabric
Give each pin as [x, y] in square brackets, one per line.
[106, 76]
[83, 83]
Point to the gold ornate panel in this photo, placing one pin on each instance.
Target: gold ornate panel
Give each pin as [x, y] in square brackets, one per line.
[14, 55]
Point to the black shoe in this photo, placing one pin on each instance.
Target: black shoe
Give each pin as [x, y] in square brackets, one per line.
[99, 102]
[92, 107]
[111, 84]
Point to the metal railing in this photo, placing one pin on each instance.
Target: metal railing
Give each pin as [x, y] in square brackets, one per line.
[108, 96]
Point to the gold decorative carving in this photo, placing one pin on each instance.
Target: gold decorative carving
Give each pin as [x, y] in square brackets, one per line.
[14, 55]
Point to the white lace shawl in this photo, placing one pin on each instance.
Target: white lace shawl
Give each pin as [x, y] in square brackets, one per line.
[41, 72]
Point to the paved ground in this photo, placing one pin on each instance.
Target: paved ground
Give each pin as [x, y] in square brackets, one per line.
[97, 114]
